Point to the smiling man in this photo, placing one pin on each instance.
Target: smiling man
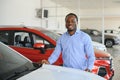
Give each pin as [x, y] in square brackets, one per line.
[75, 45]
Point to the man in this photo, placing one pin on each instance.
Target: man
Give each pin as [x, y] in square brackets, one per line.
[76, 47]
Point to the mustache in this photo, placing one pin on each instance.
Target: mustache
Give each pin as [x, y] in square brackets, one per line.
[70, 30]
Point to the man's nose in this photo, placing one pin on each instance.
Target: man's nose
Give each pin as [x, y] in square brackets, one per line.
[70, 22]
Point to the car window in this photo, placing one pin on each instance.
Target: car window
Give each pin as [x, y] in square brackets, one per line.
[112, 31]
[51, 34]
[4, 37]
[38, 39]
[108, 31]
[86, 31]
[22, 39]
[22, 34]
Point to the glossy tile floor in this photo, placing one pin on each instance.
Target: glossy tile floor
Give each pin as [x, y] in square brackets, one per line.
[115, 52]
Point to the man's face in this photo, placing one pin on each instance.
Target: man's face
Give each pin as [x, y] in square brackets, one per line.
[71, 23]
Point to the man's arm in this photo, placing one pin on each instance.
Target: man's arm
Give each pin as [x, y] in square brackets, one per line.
[54, 56]
[56, 53]
[90, 53]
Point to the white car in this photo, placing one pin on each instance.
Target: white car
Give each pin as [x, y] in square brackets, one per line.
[14, 66]
[99, 46]
[112, 31]
[50, 72]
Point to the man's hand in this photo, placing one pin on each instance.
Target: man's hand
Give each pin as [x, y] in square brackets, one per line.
[88, 70]
[44, 62]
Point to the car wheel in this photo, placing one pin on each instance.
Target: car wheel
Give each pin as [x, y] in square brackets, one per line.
[109, 43]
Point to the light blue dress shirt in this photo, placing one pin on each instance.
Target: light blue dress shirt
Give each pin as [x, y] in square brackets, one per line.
[74, 50]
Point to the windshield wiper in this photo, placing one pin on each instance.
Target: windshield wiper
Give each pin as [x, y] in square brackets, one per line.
[24, 71]
[37, 65]
[19, 73]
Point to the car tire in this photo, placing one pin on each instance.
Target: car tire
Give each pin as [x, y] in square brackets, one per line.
[109, 43]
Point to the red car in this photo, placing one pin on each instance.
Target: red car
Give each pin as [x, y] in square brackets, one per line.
[38, 44]
[103, 65]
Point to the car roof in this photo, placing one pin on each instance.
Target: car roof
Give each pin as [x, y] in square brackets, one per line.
[21, 27]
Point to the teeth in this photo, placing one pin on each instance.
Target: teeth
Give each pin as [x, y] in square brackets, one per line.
[70, 26]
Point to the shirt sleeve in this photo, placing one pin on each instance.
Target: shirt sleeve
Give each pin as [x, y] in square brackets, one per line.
[89, 50]
[56, 53]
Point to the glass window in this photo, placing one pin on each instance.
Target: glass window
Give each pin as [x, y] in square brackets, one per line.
[4, 37]
[52, 35]
[38, 39]
[15, 62]
[22, 39]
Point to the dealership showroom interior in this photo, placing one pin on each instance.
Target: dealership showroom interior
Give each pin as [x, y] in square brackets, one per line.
[30, 29]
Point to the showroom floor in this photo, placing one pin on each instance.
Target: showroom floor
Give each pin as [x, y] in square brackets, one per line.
[115, 52]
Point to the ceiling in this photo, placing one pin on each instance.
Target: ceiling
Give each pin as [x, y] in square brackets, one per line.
[88, 4]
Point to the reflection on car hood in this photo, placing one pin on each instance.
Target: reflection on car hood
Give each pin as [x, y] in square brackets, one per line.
[52, 72]
[99, 46]
[103, 54]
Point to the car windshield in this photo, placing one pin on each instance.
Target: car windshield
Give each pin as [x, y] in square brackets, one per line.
[112, 31]
[11, 61]
[51, 34]
[92, 31]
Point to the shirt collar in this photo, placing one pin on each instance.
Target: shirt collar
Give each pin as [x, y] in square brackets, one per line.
[77, 31]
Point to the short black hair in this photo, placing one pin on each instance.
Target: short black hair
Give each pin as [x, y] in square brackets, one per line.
[73, 15]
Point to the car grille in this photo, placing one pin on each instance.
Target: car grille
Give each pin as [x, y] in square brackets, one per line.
[102, 71]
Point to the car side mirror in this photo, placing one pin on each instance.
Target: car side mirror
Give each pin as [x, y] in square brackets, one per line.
[40, 46]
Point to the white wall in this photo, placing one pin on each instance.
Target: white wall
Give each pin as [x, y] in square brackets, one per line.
[94, 19]
[17, 12]
[56, 16]
[96, 23]
[23, 12]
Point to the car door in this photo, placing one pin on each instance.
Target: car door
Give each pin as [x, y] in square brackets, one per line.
[29, 51]
[16, 40]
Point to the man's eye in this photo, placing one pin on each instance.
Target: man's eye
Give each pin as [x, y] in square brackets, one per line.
[70, 21]
[73, 21]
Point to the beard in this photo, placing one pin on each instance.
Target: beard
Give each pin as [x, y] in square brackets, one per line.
[70, 30]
